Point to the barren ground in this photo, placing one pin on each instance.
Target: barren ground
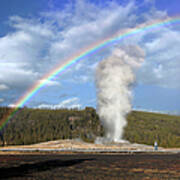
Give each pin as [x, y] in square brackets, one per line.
[51, 164]
[77, 144]
[90, 166]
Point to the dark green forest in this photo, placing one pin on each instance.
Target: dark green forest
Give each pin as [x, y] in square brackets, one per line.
[30, 126]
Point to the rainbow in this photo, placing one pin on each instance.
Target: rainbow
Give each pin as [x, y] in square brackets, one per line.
[77, 57]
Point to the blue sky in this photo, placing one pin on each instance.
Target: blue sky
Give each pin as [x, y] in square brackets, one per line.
[21, 8]
[35, 36]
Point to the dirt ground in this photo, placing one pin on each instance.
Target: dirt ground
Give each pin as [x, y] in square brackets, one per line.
[90, 166]
[79, 144]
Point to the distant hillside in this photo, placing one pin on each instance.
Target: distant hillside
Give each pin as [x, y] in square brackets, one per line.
[145, 127]
[38, 125]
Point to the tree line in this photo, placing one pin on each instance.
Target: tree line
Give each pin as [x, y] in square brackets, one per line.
[31, 126]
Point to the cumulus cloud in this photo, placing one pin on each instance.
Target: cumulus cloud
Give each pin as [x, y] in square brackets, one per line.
[1, 100]
[12, 106]
[3, 87]
[156, 111]
[49, 82]
[37, 45]
[22, 60]
[162, 65]
[70, 103]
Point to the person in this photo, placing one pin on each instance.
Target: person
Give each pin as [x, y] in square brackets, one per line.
[155, 146]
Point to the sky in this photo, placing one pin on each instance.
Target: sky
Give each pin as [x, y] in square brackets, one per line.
[36, 36]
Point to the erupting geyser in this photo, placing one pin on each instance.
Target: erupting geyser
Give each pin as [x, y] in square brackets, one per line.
[115, 77]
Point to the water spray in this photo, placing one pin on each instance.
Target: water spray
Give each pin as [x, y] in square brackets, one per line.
[115, 77]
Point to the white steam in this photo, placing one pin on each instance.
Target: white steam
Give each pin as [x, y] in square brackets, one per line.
[115, 77]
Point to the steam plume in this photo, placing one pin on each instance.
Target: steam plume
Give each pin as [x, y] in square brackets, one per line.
[115, 77]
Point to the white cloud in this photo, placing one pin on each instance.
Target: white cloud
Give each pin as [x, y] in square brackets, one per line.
[150, 110]
[162, 65]
[68, 103]
[36, 46]
[85, 25]
[50, 82]
[14, 75]
[21, 60]
[12, 106]
[3, 87]
[1, 100]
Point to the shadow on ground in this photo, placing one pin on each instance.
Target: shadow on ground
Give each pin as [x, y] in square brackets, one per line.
[22, 170]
